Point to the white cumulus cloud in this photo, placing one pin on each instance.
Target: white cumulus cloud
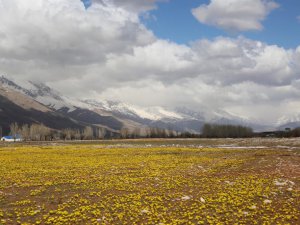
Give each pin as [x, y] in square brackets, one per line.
[235, 15]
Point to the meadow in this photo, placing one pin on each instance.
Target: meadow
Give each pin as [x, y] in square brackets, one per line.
[208, 181]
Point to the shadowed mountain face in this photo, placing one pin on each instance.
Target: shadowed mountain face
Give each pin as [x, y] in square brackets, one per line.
[10, 112]
[90, 117]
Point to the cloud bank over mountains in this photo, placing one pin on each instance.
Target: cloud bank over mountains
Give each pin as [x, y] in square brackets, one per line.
[107, 52]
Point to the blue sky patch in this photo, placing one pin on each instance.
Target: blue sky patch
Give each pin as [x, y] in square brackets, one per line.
[174, 21]
[87, 3]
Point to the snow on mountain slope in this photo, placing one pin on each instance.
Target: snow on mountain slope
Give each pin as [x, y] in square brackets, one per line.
[167, 115]
[209, 115]
[151, 113]
[42, 94]
[164, 113]
[288, 119]
[6, 83]
[292, 121]
[22, 100]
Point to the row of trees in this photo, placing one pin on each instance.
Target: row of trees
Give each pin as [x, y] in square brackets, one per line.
[39, 132]
[226, 131]
[287, 133]
[88, 133]
[295, 132]
[154, 132]
[231, 131]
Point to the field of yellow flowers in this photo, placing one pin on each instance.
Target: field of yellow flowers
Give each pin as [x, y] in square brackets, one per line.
[149, 183]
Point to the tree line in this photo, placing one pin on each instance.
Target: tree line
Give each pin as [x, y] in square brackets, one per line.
[226, 131]
[294, 132]
[287, 133]
[154, 132]
[39, 132]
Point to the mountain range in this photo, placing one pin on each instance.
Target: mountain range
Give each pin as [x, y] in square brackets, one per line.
[32, 102]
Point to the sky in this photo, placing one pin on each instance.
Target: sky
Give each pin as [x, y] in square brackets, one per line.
[242, 56]
[174, 21]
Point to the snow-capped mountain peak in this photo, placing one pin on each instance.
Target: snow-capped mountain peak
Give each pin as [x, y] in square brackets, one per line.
[39, 92]
[5, 82]
[209, 115]
[40, 89]
[151, 113]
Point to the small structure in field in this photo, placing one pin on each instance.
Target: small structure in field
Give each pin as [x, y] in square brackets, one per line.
[11, 138]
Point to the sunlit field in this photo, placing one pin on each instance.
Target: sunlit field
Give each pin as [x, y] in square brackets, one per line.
[157, 182]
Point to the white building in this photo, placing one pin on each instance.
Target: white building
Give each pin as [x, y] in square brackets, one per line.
[11, 138]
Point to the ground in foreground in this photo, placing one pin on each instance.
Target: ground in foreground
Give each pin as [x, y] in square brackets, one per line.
[152, 182]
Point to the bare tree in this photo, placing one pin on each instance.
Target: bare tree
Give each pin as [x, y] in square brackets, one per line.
[147, 132]
[124, 132]
[25, 132]
[34, 133]
[14, 130]
[136, 133]
[88, 133]
[54, 134]
[100, 132]
[39, 132]
[67, 134]
[44, 132]
[154, 132]
[171, 133]
[77, 134]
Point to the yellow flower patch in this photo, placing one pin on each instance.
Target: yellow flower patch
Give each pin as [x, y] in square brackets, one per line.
[101, 184]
